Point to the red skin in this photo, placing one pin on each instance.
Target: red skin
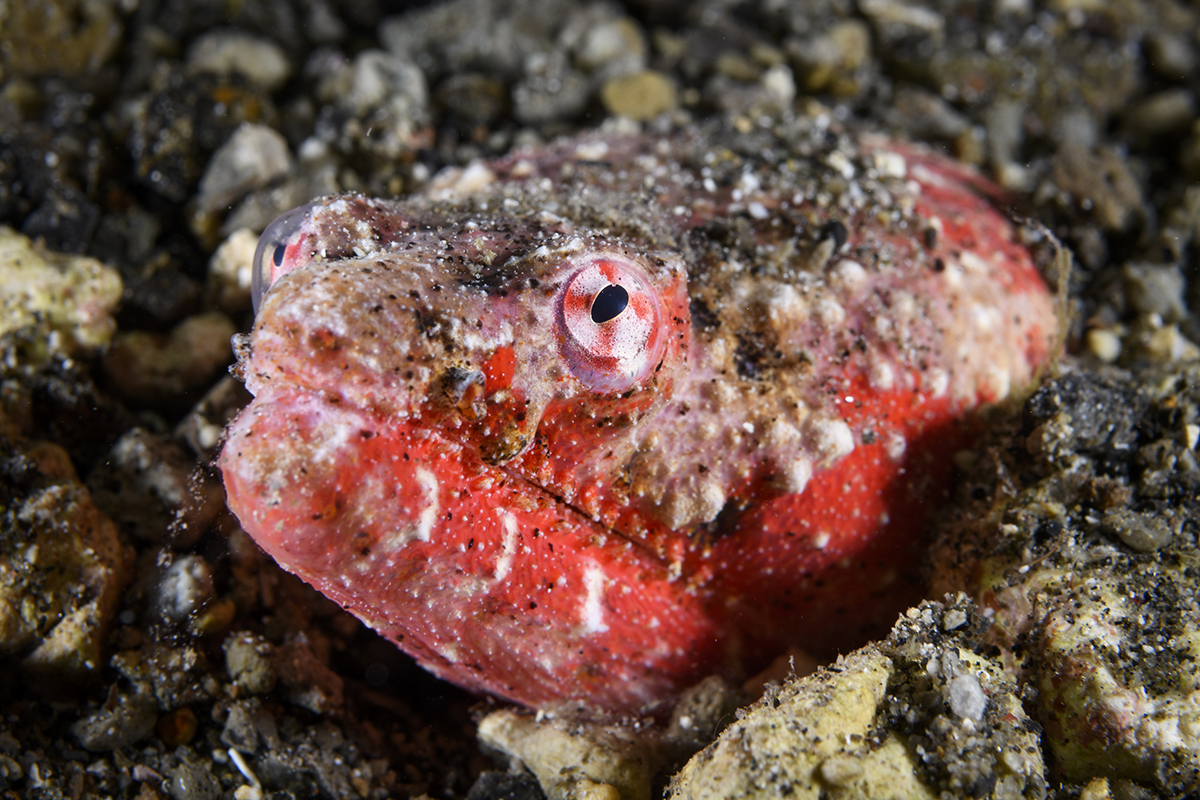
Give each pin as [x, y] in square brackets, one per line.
[440, 533]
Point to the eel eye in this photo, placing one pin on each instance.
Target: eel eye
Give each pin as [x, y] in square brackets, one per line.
[610, 324]
[280, 250]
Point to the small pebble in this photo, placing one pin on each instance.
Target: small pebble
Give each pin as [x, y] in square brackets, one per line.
[154, 368]
[1142, 532]
[226, 52]
[550, 91]
[253, 156]
[1100, 182]
[204, 425]
[215, 617]
[966, 697]
[376, 78]
[612, 40]
[1167, 113]
[1104, 344]
[641, 96]
[1170, 54]
[840, 770]
[149, 485]
[1155, 289]
[230, 270]
[192, 781]
[178, 727]
[953, 619]
[75, 296]
[183, 588]
[249, 660]
[126, 718]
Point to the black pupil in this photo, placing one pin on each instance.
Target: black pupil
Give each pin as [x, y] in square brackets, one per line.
[609, 304]
[280, 252]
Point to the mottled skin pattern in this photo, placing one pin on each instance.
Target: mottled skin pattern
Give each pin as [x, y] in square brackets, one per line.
[431, 449]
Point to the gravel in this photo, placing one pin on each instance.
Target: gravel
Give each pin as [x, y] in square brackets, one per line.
[144, 145]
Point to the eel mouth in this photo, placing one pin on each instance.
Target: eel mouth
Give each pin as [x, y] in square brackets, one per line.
[487, 578]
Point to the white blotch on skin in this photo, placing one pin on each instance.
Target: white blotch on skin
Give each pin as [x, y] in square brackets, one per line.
[881, 376]
[509, 545]
[429, 514]
[973, 263]
[936, 381]
[592, 610]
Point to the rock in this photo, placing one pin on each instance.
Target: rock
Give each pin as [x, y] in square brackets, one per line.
[175, 676]
[1170, 54]
[192, 781]
[178, 727]
[1150, 339]
[170, 369]
[640, 96]
[505, 786]
[249, 726]
[126, 718]
[379, 105]
[373, 79]
[1155, 289]
[154, 491]
[63, 564]
[573, 758]
[830, 61]
[611, 45]
[1109, 671]
[75, 295]
[204, 425]
[67, 37]
[551, 90]
[310, 682]
[495, 38]
[225, 52]
[230, 270]
[895, 20]
[1084, 564]
[65, 219]
[183, 588]
[472, 100]
[315, 175]
[1100, 182]
[966, 697]
[1104, 344]
[1076, 127]
[254, 156]
[249, 660]
[1143, 533]
[182, 120]
[1167, 113]
[875, 724]
[923, 115]
[774, 89]
[1081, 413]
[701, 713]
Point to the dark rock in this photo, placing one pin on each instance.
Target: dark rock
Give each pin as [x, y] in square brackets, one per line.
[505, 786]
